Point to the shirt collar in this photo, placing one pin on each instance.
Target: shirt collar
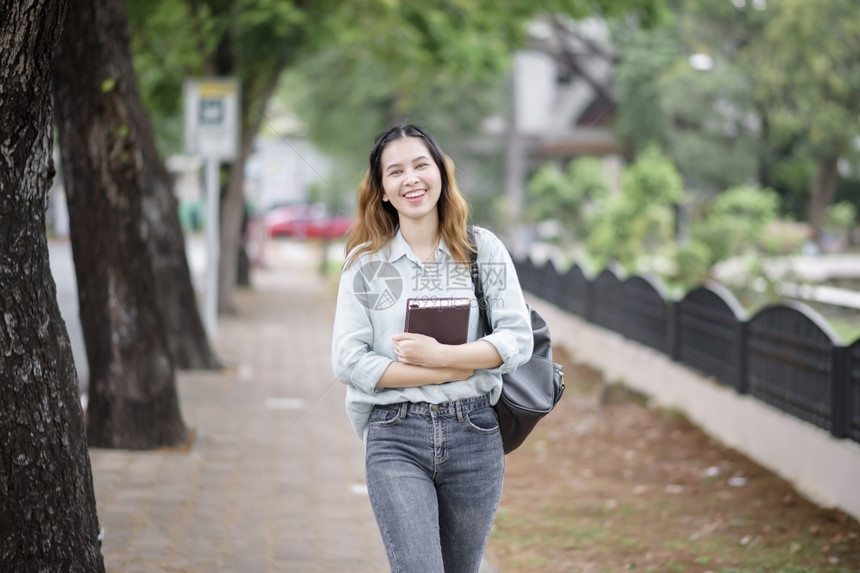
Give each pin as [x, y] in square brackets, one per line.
[398, 247]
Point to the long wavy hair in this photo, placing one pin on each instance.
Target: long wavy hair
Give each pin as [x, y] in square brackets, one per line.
[376, 220]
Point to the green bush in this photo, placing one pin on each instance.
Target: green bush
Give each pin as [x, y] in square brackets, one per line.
[840, 217]
[641, 219]
[547, 193]
[693, 263]
[652, 178]
[567, 196]
[736, 221]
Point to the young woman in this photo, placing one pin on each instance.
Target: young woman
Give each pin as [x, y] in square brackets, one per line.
[434, 458]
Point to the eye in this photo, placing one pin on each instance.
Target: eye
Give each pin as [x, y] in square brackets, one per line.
[421, 166]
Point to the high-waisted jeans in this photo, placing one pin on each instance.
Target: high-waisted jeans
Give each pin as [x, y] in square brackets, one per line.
[434, 475]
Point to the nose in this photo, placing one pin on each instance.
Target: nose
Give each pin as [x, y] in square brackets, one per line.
[411, 178]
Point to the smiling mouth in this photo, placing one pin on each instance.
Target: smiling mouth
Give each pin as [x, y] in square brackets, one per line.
[417, 194]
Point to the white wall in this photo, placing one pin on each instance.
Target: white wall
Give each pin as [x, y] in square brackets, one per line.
[534, 91]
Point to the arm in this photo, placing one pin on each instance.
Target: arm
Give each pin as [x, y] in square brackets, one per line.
[353, 360]
[404, 375]
[423, 350]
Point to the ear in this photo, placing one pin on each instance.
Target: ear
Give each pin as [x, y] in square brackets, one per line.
[384, 196]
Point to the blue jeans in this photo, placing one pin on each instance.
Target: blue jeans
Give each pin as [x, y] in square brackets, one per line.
[434, 475]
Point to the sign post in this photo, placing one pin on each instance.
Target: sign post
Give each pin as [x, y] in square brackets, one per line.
[212, 133]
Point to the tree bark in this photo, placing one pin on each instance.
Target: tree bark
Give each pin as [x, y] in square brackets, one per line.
[243, 265]
[133, 402]
[232, 241]
[186, 336]
[823, 193]
[177, 301]
[233, 208]
[48, 518]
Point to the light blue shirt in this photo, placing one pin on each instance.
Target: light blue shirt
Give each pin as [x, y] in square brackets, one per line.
[371, 307]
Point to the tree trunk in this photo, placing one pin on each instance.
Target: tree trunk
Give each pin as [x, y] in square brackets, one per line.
[177, 301]
[233, 208]
[133, 401]
[232, 240]
[823, 193]
[186, 336]
[48, 518]
[243, 265]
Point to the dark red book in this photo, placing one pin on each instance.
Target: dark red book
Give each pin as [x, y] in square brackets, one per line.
[445, 319]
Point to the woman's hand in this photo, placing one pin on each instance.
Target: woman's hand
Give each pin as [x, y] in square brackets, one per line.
[419, 350]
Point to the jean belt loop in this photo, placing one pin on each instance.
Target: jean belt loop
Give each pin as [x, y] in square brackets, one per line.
[404, 407]
[458, 406]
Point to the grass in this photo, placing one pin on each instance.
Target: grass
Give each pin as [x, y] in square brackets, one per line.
[568, 507]
[531, 538]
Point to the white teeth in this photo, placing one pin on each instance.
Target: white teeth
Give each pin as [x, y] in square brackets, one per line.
[412, 194]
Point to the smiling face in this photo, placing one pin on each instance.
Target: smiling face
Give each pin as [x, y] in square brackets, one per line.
[411, 180]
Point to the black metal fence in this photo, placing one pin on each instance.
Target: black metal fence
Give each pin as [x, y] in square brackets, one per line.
[785, 354]
[853, 392]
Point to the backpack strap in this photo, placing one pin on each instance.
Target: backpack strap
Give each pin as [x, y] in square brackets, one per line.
[476, 280]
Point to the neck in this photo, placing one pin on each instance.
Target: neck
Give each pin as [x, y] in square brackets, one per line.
[421, 236]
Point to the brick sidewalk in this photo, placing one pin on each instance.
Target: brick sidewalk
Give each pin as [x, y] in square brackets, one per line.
[275, 479]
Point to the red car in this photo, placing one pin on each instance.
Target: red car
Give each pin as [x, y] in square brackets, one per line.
[305, 221]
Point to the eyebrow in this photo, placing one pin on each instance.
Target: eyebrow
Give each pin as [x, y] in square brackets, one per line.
[393, 165]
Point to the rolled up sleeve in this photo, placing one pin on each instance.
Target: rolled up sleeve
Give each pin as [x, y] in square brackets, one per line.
[353, 361]
[368, 370]
[508, 348]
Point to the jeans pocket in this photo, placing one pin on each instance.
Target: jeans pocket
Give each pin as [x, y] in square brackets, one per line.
[383, 416]
[483, 420]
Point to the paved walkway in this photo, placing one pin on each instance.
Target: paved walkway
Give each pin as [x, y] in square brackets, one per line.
[274, 481]
[275, 478]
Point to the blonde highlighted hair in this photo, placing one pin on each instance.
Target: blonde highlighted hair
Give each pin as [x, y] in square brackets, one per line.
[376, 220]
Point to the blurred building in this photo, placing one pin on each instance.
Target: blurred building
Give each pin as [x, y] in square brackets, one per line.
[563, 100]
[282, 170]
